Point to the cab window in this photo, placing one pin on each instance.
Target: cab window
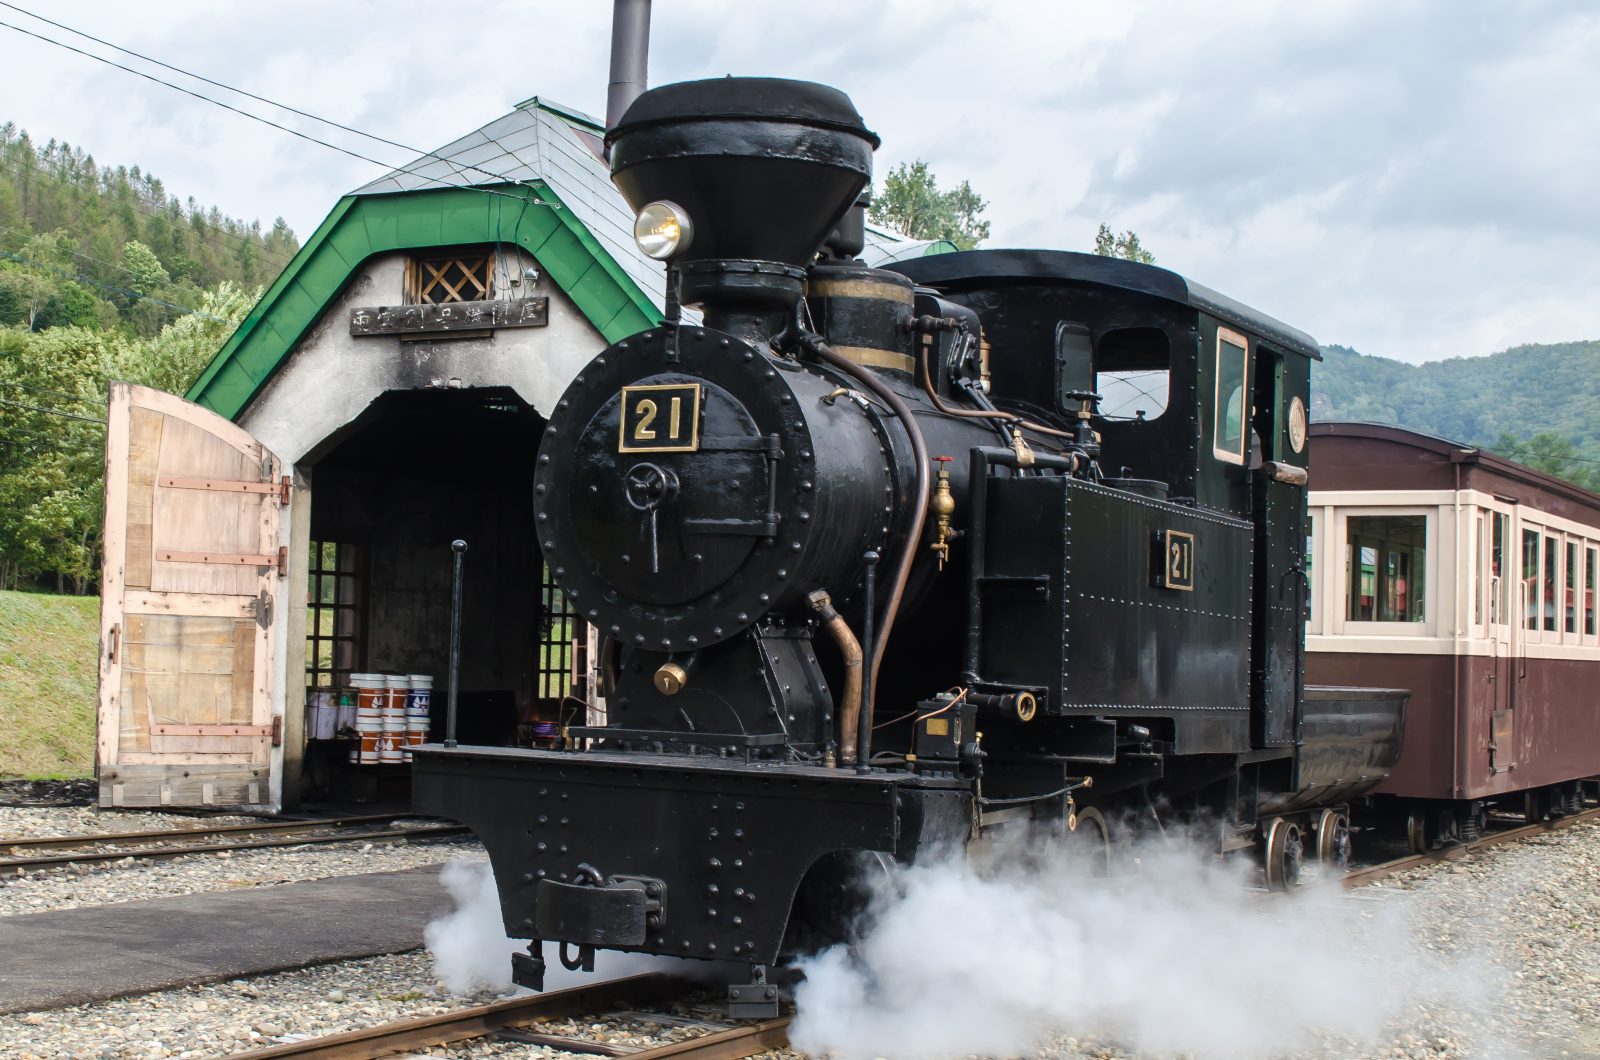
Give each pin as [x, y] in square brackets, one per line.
[1231, 407]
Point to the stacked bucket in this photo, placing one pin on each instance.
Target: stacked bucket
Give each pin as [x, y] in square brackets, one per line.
[392, 716]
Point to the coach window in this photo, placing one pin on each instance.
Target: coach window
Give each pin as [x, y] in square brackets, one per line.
[1314, 619]
[1569, 600]
[1480, 566]
[1530, 578]
[1232, 397]
[1499, 584]
[1388, 559]
[1589, 591]
[1547, 601]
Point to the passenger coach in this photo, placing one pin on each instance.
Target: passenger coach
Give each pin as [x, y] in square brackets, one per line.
[1470, 580]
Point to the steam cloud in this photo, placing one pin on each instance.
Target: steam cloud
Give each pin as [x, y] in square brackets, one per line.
[1171, 953]
[471, 952]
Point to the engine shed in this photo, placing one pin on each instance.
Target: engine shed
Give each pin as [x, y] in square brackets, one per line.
[282, 533]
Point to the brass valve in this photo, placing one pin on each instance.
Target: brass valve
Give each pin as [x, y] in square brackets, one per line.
[944, 506]
[1020, 447]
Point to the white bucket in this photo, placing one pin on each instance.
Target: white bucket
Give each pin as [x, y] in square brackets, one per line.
[322, 714]
[372, 695]
[394, 719]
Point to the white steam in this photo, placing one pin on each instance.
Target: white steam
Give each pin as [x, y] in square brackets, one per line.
[471, 952]
[1171, 953]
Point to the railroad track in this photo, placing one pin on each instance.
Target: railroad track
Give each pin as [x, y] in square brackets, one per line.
[19, 852]
[1373, 873]
[516, 1019]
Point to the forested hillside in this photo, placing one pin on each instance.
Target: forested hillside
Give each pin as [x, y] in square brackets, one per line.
[1537, 404]
[109, 247]
[104, 274]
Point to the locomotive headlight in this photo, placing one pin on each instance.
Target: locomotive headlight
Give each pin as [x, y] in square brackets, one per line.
[662, 229]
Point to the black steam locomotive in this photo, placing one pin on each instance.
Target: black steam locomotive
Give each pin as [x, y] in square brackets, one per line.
[887, 559]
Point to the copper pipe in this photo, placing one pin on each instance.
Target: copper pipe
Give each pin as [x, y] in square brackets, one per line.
[982, 414]
[850, 648]
[919, 509]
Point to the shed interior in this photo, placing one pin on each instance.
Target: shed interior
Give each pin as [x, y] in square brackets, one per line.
[418, 470]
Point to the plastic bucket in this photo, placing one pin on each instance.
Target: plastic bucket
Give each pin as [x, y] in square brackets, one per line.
[394, 719]
[418, 710]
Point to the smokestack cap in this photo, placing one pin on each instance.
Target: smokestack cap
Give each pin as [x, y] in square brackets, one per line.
[744, 99]
[762, 167]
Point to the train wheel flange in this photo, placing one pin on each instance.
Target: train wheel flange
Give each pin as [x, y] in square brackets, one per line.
[1282, 853]
[1420, 831]
[1090, 840]
[1333, 840]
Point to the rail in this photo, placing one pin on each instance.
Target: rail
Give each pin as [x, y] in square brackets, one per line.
[1373, 873]
[514, 1014]
[180, 842]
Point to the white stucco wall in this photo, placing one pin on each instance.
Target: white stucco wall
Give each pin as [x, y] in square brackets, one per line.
[332, 376]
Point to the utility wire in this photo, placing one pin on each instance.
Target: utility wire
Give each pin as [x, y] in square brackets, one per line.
[52, 412]
[92, 399]
[461, 167]
[72, 275]
[78, 253]
[269, 122]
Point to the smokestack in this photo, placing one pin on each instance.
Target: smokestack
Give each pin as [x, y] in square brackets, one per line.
[630, 56]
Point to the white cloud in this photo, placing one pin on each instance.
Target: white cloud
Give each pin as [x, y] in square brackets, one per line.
[1414, 179]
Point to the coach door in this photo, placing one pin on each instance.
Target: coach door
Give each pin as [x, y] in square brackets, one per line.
[188, 592]
[1506, 603]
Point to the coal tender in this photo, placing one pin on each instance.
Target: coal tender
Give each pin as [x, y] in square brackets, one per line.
[887, 559]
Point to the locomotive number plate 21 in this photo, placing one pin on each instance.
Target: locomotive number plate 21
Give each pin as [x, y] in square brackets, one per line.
[1172, 560]
[661, 418]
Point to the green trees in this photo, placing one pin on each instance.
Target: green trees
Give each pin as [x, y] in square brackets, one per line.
[103, 275]
[52, 435]
[1109, 244]
[912, 202]
[111, 248]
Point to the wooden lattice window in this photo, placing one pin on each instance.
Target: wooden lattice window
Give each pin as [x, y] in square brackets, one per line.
[465, 276]
[333, 614]
[559, 626]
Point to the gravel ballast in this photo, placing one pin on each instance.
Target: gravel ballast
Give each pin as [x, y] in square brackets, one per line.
[132, 879]
[1524, 917]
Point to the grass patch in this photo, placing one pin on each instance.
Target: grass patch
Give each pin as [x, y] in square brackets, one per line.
[48, 649]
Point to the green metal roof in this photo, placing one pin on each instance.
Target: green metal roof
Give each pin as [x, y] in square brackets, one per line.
[359, 227]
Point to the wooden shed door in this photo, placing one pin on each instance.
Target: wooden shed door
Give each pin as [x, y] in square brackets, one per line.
[191, 580]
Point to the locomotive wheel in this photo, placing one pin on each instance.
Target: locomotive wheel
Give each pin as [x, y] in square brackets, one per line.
[1420, 831]
[1090, 842]
[1333, 840]
[1471, 820]
[1281, 855]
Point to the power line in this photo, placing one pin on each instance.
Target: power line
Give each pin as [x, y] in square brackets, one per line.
[151, 210]
[460, 167]
[282, 128]
[92, 399]
[52, 412]
[73, 275]
[78, 254]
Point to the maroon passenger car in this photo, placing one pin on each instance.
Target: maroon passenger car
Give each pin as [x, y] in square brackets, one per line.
[1470, 580]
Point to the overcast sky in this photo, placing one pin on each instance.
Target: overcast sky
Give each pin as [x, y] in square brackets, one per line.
[1416, 180]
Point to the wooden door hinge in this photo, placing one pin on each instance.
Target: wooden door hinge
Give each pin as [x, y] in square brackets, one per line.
[277, 730]
[283, 561]
[283, 492]
[115, 637]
